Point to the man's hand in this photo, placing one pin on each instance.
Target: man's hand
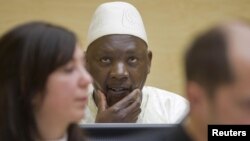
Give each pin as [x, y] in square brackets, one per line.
[126, 110]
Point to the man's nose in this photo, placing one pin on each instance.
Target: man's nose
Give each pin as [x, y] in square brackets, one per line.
[119, 71]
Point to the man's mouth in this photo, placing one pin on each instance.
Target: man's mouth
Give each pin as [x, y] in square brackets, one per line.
[115, 94]
[118, 90]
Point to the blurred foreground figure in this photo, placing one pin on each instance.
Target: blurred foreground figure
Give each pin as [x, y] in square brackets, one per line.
[43, 84]
[217, 67]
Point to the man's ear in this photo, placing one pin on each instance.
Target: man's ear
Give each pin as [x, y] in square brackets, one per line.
[196, 95]
[86, 60]
[84, 55]
[150, 56]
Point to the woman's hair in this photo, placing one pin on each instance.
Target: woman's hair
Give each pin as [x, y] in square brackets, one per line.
[28, 55]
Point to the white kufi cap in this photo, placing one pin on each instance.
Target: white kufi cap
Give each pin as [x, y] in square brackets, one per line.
[116, 18]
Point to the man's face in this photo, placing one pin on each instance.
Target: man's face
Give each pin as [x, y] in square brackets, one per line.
[118, 64]
[231, 104]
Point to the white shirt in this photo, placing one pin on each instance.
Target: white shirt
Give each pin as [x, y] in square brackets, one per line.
[158, 106]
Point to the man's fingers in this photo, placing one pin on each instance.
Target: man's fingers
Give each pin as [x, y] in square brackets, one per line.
[101, 101]
[133, 111]
[134, 116]
[134, 106]
[128, 99]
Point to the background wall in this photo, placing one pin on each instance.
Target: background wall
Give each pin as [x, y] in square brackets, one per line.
[170, 25]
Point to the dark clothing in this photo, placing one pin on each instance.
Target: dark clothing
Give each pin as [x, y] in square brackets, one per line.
[171, 133]
[177, 134]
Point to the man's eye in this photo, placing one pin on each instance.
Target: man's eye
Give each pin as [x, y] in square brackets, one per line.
[105, 60]
[132, 60]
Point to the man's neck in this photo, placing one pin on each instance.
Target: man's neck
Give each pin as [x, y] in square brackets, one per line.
[195, 130]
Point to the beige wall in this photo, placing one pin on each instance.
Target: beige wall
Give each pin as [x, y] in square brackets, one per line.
[170, 25]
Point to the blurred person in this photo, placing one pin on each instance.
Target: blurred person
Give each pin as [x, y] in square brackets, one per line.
[43, 84]
[217, 67]
[119, 61]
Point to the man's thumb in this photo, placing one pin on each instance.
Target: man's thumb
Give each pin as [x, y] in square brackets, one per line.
[101, 101]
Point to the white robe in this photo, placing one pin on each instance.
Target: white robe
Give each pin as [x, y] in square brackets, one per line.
[158, 106]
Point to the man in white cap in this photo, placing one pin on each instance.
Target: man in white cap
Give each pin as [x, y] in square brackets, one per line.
[119, 61]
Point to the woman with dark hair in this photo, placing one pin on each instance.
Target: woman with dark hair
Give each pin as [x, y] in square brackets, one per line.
[43, 84]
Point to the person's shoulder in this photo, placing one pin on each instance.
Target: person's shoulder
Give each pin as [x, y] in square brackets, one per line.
[166, 97]
[168, 104]
[157, 92]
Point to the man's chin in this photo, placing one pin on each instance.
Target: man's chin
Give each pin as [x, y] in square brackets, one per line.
[113, 98]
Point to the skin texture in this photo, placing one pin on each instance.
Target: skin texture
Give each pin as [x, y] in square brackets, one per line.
[119, 65]
[65, 98]
[231, 102]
